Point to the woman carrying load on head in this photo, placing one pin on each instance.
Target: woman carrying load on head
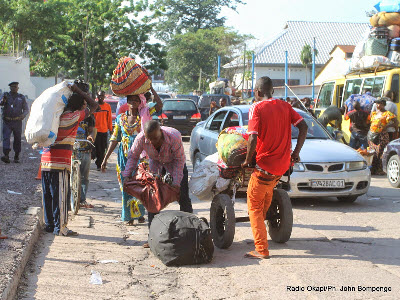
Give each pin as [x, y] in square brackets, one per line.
[127, 126]
[378, 136]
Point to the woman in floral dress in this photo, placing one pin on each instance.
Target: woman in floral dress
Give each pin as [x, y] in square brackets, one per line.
[380, 119]
[127, 126]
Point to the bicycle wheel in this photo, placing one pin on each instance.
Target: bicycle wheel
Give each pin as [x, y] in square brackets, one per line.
[75, 187]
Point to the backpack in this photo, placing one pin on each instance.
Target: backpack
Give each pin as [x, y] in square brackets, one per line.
[179, 238]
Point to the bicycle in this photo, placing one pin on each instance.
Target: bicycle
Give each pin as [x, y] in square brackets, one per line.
[76, 182]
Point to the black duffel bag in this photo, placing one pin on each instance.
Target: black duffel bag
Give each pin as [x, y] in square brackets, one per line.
[179, 238]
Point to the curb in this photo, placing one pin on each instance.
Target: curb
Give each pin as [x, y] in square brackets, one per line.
[10, 291]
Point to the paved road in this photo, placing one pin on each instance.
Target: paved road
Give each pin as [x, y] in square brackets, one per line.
[333, 245]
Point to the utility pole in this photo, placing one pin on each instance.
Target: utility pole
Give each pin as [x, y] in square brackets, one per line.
[244, 68]
[219, 66]
[286, 74]
[313, 73]
[252, 75]
[200, 81]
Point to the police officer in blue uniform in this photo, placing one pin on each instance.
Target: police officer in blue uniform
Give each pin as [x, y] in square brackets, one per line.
[15, 109]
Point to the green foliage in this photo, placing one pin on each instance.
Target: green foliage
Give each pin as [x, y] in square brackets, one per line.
[194, 51]
[82, 38]
[306, 55]
[181, 16]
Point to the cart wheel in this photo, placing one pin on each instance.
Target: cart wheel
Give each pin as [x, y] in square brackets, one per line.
[222, 219]
[75, 187]
[280, 217]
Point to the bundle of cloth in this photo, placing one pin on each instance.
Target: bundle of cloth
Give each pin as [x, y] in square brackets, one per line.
[205, 181]
[366, 101]
[232, 150]
[129, 78]
[44, 119]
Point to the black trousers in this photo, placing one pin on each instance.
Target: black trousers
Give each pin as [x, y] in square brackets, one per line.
[15, 128]
[184, 202]
[101, 147]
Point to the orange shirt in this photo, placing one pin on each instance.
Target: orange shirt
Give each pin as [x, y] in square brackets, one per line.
[272, 121]
[103, 118]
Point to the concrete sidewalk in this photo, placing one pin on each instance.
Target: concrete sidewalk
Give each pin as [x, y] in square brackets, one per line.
[332, 245]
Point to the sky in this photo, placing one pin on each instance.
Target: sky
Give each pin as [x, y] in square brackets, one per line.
[266, 18]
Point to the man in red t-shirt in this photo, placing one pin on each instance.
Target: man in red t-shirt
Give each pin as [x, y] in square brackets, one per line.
[270, 130]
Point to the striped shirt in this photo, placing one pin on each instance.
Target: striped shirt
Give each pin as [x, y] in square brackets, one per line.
[57, 157]
[171, 155]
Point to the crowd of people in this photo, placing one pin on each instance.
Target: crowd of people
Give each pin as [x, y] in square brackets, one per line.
[375, 129]
[372, 126]
[139, 138]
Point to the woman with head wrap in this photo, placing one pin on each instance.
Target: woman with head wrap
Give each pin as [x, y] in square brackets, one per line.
[127, 126]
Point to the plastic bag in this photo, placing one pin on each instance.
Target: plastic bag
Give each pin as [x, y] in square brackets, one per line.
[369, 62]
[44, 119]
[206, 177]
[389, 6]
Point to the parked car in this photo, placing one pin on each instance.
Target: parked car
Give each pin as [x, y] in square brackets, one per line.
[327, 168]
[181, 114]
[113, 101]
[195, 98]
[206, 99]
[164, 96]
[391, 162]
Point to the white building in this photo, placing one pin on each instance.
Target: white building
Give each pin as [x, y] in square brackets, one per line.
[14, 68]
[270, 58]
[337, 64]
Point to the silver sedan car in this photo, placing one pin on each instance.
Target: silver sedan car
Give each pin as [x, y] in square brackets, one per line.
[327, 169]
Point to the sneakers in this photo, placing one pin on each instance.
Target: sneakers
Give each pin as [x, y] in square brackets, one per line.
[16, 159]
[5, 159]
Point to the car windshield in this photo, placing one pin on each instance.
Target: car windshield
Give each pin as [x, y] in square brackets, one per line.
[164, 96]
[191, 97]
[206, 100]
[179, 105]
[315, 130]
[113, 106]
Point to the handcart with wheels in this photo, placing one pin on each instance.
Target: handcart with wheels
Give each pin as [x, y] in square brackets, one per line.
[223, 218]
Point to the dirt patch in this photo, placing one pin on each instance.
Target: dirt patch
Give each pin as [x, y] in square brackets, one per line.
[18, 191]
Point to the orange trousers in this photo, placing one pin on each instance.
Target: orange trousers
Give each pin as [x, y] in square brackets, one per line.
[259, 197]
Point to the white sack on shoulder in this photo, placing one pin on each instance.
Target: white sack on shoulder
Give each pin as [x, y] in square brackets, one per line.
[44, 119]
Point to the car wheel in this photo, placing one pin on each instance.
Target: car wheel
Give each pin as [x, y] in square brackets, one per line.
[393, 171]
[196, 161]
[348, 199]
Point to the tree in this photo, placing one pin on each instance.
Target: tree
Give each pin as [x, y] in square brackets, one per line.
[181, 16]
[194, 52]
[93, 35]
[306, 57]
[23, 20]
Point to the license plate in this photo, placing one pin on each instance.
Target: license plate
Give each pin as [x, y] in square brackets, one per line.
[179, 117]
[327, 184]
